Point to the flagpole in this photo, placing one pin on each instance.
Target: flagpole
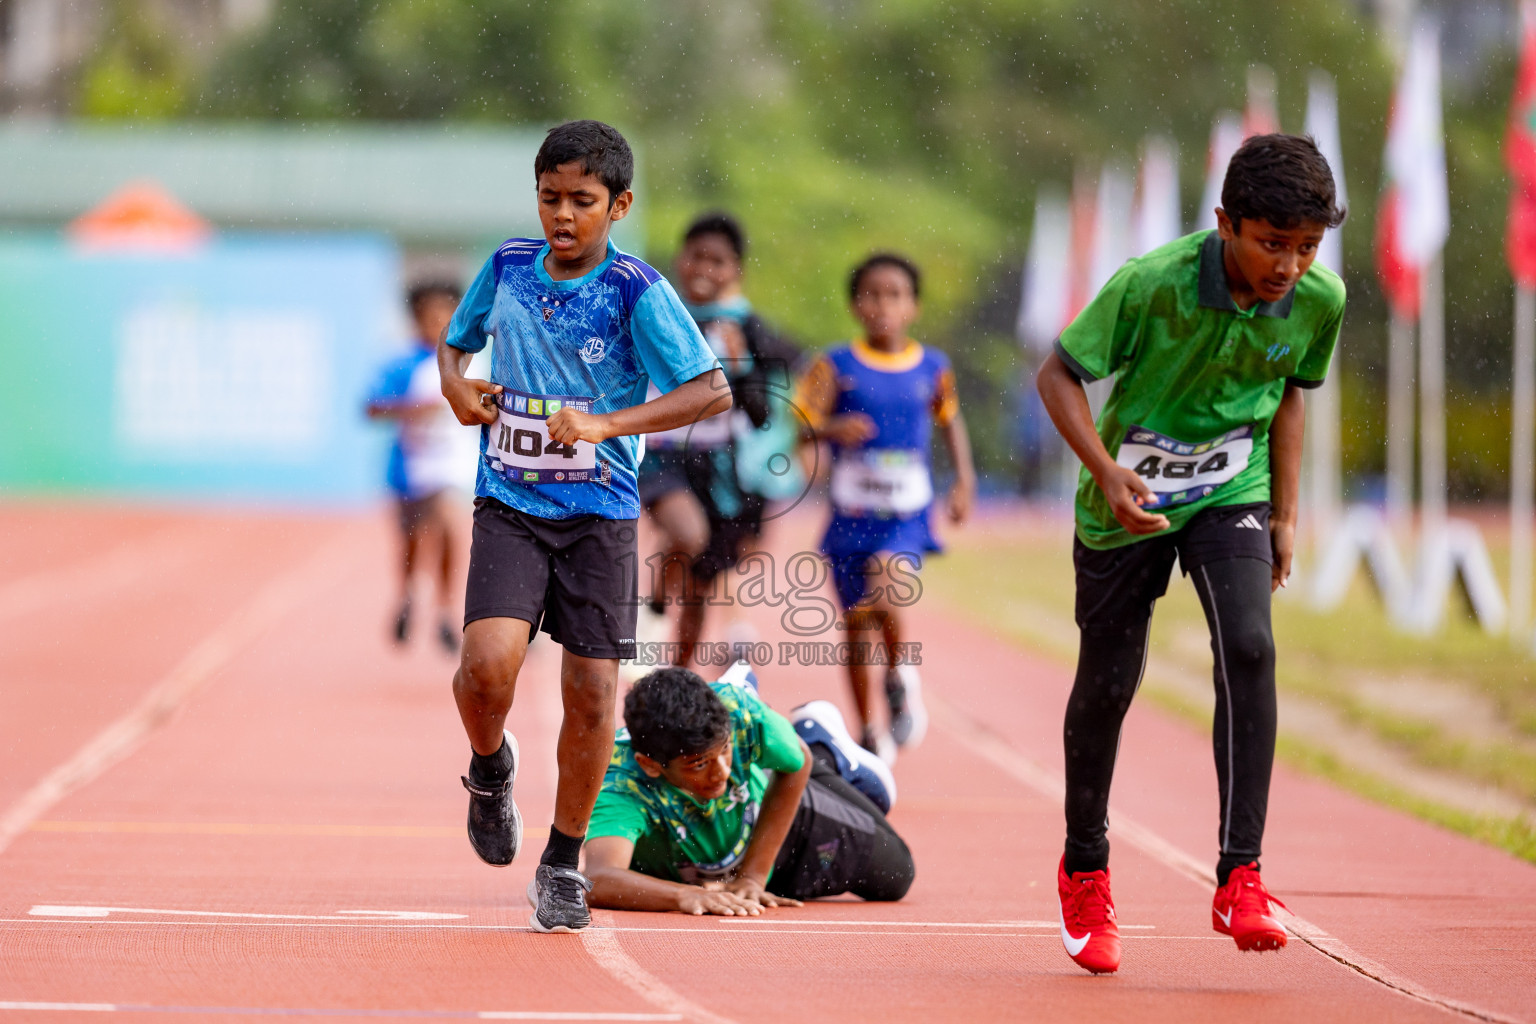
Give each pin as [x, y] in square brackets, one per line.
[1399, 419]
[1432, 398]
[1522, 460]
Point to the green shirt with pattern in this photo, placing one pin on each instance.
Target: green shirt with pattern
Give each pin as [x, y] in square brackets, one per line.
[682, 839]
[1197, 380]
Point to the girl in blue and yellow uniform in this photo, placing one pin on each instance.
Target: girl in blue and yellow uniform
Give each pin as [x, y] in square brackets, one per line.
[876, 401]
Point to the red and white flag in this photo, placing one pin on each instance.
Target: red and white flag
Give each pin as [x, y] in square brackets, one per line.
[1226, 136]
[1262, 116]
[1520, 153]
[1415, 214]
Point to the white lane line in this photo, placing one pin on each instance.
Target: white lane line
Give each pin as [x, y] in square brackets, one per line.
[602, 945]
[1001, 753]
[535, 1015]
[216, 650]
[53, 910]
[981, 933]
[65, 1007]
[296, 1011]
[759, 922]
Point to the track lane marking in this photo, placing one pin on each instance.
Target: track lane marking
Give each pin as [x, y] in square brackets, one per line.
[298, 1011]
[734, 933]
[995, 748]
[221, 828]
[123, 736]
[602, 945]
[97, 912]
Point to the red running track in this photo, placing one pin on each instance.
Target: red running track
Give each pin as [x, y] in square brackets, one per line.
[223, 795]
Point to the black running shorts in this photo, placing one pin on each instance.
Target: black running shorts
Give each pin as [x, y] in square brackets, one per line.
[1116, 588]
[575, 576]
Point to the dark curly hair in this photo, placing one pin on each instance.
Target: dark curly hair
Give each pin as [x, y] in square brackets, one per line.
[886, 259]
[673, 713]
[722, 224]
[1283, 179]
[599, 148]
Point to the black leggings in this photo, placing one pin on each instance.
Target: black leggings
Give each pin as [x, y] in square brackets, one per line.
[1235, 594]
[840, 842]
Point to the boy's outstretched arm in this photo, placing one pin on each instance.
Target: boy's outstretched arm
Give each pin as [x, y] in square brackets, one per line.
[1285, 440]
[773, 822]
[617, 887]
[958, 441]
[1067, 403]
[466, 395]
[700, 398]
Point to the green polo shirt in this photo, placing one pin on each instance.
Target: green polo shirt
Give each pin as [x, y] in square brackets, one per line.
[680, 838]
[1197, 380]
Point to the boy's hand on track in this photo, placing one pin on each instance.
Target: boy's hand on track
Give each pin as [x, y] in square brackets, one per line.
[752, 889]
[697, 901]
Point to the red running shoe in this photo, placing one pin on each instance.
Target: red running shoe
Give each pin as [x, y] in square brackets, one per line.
[1088, 928]
[1241, 910]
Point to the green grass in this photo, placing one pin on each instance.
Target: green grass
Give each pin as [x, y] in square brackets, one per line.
[1018, 582]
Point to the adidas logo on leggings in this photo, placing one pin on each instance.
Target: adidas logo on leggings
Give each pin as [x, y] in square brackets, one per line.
[1249, 523]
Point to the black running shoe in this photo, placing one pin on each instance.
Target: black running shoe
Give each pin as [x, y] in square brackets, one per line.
[448, 636]
[559, 898]
[495, 825]
[403, 622]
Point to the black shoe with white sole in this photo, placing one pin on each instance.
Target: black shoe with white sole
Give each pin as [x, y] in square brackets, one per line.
[495, 825]
[559, 898]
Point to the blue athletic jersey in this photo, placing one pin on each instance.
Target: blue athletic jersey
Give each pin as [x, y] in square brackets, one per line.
[393, 382]
[904, 393]
[598, 339]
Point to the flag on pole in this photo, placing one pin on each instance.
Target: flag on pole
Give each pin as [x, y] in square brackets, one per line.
[1226, 136]
[1114, 240]
[1262, 116]
[1323, 126]
[1159, 219]
[1047, 286]
[1084, 218]
[1415, 214]
[1520, 154]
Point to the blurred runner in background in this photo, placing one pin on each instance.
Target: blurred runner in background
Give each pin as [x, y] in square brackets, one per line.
[705, 485]
[877, 400]
[432, 461]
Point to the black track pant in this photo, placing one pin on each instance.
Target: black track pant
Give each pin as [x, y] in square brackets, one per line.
[840, 842]
[1235, 593]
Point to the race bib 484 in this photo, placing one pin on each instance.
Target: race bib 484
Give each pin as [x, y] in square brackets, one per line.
[518, 445]
[1179, 472]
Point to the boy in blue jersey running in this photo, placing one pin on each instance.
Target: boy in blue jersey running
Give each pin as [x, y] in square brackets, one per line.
[877, 401]
[578, 330]
[421, 458]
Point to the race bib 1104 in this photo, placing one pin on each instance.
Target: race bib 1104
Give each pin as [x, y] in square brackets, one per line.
[518, 445]
[1179, 472]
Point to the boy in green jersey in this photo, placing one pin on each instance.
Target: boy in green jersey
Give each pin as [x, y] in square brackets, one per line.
[714, 803]
[1212, 341]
